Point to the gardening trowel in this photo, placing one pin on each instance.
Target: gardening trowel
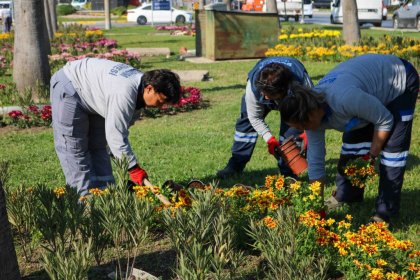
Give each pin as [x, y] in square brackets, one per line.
[160, 196]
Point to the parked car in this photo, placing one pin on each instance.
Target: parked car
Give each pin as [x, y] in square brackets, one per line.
[5, 6]
[79, 4]
[322, 4]
[293, 9]
[367, 12]
[407, 15]
[144, 14]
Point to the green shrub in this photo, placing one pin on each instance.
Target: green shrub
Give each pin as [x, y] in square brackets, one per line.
[63, 10]
[119, 11]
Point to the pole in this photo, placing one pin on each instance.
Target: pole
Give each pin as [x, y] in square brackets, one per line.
[302, 20]
[107, 15]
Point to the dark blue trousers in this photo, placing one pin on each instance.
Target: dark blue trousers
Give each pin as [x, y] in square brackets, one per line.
[246, 138]
[393, 157]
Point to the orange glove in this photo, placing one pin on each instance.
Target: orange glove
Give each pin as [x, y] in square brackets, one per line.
[272, 143]
[137, 175]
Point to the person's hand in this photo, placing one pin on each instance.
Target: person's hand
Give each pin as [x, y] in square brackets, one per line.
[272, 143]
[371, 158]
[304, 139]
[137, 175]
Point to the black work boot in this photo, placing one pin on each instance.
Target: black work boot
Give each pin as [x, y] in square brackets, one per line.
[228, 171]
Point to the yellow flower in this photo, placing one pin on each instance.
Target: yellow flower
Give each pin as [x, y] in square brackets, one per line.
[295, 186]
[381, 262]
[315, 187]
[59, 192]
[376, 274]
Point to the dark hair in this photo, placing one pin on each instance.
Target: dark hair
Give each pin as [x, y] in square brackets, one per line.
[299, 103]
[164, 81]
[274, 80]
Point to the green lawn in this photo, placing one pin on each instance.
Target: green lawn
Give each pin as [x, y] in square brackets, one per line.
[194, 145]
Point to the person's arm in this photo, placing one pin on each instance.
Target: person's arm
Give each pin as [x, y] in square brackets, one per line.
[378, 141]
[117, 121]
[256, 114]
[316, 154]
[371, 109]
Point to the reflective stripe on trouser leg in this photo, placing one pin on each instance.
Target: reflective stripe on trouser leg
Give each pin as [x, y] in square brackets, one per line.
[395, 153]
[356, 143]
[101, 171]
[70, 126]
[244, 140]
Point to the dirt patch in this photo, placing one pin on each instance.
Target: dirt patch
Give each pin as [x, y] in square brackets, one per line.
[12, 129]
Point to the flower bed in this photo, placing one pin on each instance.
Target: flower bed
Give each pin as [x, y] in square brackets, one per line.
[327, 45]
[32, 115]
[74, 42]
[190, 100]
[209, 229]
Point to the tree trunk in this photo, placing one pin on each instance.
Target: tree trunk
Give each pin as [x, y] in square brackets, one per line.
[9, 267]
[52, 4]
[30, 62]
[48, 22]
[271, 6]
[108, 15]
[351, 29]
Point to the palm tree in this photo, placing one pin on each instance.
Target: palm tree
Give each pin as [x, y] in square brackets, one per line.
[31, 48]
[351, 29]
[9, 268]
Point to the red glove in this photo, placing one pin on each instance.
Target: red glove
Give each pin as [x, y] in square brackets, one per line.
[370, 157]
[304, 140]
[137, 175]
[272, 143]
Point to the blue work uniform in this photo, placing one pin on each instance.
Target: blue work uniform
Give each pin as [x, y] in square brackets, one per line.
[367, 93]
[254, 109]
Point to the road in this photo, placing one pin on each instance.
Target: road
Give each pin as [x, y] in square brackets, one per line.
[323, 17]
[319, 17]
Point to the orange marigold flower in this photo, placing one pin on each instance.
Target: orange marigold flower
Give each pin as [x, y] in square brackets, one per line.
[279, 183]
[95, 191]
[413, 266]
[358, 264]
[394, 276]
[269, 222]
[370, 249]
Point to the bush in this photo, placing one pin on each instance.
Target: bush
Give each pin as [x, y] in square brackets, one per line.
[63, 10]
[119, 11]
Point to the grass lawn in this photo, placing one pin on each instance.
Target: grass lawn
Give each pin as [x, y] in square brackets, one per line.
[194, 145]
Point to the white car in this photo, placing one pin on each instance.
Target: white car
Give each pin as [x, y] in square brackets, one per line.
[367, 11]
[79, 4]
[5, 7]
[144, 14]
